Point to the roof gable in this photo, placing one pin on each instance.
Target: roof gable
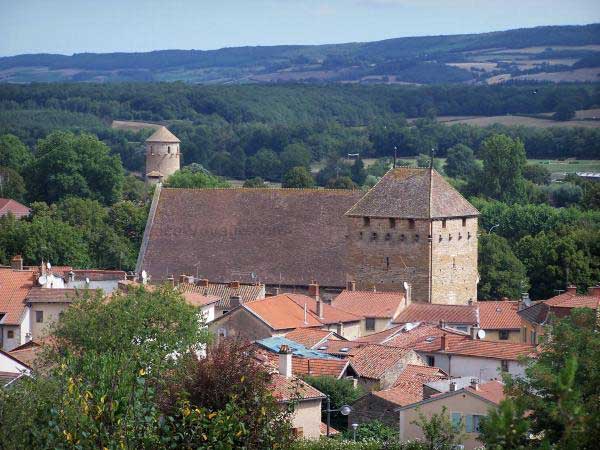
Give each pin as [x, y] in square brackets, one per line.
[370, 304]
[414, 193]
[14, 287]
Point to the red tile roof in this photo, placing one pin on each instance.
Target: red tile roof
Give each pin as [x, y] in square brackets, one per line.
[429, 313]
[422, 337]
[281, 312]
[199, 300]
[373, 361]
[8, 205]
[490, 349]
[408, 388]
[331, 314]
[381, 336]
[98, 274]
[572, 300]
[369, 303]
[14, 287]
[333, 367]
[499, 315]
[309, 337]
[52, 295]
[289, 389]
[412, 193]
[283, 236]
[492, 391]
[332, 431]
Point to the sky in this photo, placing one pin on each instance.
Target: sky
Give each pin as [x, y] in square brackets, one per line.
[75, 26]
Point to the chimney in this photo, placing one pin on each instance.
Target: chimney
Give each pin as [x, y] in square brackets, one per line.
[475, 384]
[319, 308]
[442, 323]
[235, 301]
[407, 293]
[71, 276]
[525, 299]
[572, 289]
[285, 361]
[234, 284]
[276, 291]
[594, 291]
[351, 286]
[171, 281]
[182, 278]
[474, 331]
[313, 290]
[452, 386]
[17, 262]
[203, 282]
[444, 342]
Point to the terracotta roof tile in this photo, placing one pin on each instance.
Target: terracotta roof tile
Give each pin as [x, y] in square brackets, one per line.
[572, 300]
[52, 295]
[372, 361]
[497, 315]
[333, 367]
[309, 337]
[381, 336]
[331, 314]
[287, 389]
[98, 274]
[281, 312]
[369, 303]
[323, 429]
[8, 205]
[283, 236]
[14, 287]
[408, 388]
[412, 193]
[224, 291]
[199, 300]
[423, 337]
[430, 313]
[490, 349]
[336, 347]
[492, 391]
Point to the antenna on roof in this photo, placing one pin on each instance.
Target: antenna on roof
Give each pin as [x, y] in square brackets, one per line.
[395, 155]
[432, 154]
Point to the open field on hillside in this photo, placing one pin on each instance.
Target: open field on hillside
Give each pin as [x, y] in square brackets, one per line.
[483, 121]
[132, 125]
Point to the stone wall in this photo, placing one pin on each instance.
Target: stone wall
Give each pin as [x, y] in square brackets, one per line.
[370, 407]
[162, 157]
[240, 323]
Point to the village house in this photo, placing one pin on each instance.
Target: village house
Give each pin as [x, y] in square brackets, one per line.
[382, 405]
[500, 320]
[412, 228]
[466, 406]
[11, 369]
[10, 206]
[537, 316]
[312, 338]
[377, 310]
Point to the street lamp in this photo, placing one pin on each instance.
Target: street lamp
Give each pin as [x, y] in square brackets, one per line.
[354, 427]
[492, 228]
[344, 411]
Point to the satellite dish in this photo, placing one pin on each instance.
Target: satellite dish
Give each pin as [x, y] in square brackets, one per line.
[48, 265]
[42, 280]
[87, 280]
[481, 334]
[405, 284]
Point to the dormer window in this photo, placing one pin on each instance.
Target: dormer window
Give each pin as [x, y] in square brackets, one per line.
[366, 221]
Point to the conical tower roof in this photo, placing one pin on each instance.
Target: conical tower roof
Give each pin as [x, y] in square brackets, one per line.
[163, 135]
[412, 193]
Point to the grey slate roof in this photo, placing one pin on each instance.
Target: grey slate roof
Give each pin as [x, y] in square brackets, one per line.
[412, 193]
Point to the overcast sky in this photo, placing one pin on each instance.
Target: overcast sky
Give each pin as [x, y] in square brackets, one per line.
[71, 26]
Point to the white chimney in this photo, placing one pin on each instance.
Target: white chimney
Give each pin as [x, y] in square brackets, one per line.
[452, 386]
[285, 361]
[475, 384]
[474, 331]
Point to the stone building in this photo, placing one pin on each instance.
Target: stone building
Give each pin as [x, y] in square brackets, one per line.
[413, 227]
[162, 155]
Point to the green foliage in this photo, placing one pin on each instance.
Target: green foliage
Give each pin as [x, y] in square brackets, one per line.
[186, 178]
[256, 182]
[536, 173]
[501, 272]
[505, 427]
[460, 162]
[565, 111]
[565, 194]
[135, 190]
[265, 164]
[344, 444]
[560, 391]
[425, 161]
[66, 164]
[13, 153]
[341, 392]
[357, 172]
[298, 177]
[12, 184]
[372, 431]
[503, 163]
[341, 183]
[295, 155]
[380, 167]
[439, 432]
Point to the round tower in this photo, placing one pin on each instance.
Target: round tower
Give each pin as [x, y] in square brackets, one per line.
[162, 155]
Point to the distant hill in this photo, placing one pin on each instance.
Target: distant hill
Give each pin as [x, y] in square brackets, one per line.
[529, 53]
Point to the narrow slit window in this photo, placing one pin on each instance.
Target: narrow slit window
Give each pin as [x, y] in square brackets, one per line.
[392, 223]
[366, 221]
[411, 224]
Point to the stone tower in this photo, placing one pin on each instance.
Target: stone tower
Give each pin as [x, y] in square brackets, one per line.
[162, 155]
[414, 227]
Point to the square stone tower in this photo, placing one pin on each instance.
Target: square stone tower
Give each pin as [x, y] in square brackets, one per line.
[414, 227]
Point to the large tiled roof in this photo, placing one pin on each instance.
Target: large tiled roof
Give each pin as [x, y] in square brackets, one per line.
[51, 295]
[283, 236]
[536, 313]
[492, 391]
[369, 303]
[373, 361]
[98, 274]
[573, 300]
[331, 314]
[490, 349]
[290, 389]
[333, 367]
[408, 388]
[413, 193]
[381, 336]
[341, 348]
[14, 287]
[280, 312]
[498, 315]
[246, 291]
[8, 205]
[199, 300]
[429, 313]
[309, 337]
[424, 337]
[163, 135]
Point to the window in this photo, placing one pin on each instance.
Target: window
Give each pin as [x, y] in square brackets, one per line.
[503, 335]
[472, 423]
[373, 236]
[532, 338]
[431, 361]
[456, 420]
[388, 236]
[10, 334]
[464, 222]
[411, 224]
[504, 365]
[443, 223]
[366, 221]
[387, 263]
[392, 223]
[39, 316]
[222, 332]
[416, 238]
[169, 149]
[370, 324]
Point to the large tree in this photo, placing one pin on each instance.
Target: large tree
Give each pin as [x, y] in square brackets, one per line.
[460, 162]
[13, 153]
[68, 164]
[298, 177]
[501, 272]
